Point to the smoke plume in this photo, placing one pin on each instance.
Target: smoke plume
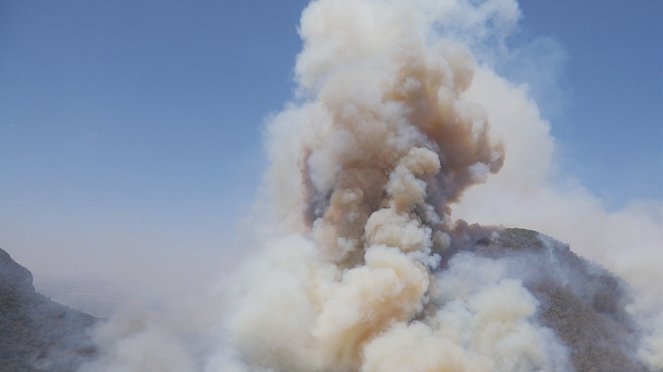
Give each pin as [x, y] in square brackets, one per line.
[357, 263]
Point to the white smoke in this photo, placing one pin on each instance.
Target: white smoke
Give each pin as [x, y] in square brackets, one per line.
[393, 120]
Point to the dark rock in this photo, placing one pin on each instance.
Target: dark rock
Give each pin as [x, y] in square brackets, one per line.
[38, 334]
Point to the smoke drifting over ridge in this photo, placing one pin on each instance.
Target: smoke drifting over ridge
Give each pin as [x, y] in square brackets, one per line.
[359, 265]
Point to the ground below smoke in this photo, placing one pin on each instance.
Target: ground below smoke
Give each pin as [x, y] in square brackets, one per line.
[583, 304]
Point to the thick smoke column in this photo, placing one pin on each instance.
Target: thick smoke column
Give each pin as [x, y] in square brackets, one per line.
[383, 121]
[391, 141]
[365, 166]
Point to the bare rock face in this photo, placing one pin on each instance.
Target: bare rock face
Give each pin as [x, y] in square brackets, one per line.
[581, 302]
[37, 334]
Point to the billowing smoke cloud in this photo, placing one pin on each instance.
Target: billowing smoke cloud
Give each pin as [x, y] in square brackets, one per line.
[525, 193]
[358, 264]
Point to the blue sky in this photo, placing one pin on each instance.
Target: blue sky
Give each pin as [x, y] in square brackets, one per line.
[610, 125]
[133, 117]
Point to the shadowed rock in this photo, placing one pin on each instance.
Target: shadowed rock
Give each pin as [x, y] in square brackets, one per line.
[38, 334]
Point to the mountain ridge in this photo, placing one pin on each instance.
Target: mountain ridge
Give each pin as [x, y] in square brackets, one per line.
[582, 302]
[38, 334]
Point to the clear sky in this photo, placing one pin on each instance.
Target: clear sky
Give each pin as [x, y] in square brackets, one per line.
[610, 126]
[138, 122]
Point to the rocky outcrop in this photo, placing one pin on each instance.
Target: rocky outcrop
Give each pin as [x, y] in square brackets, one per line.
[36, 333]
[584, 304]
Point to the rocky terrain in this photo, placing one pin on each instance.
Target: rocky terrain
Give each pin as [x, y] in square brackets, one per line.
[38, 334]
[583, 303]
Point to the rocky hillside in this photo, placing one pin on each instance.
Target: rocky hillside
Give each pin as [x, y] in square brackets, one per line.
[38, 334]
[581, 302]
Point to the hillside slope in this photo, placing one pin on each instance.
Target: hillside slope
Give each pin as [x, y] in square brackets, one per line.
[38, 334]
[584, 304]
